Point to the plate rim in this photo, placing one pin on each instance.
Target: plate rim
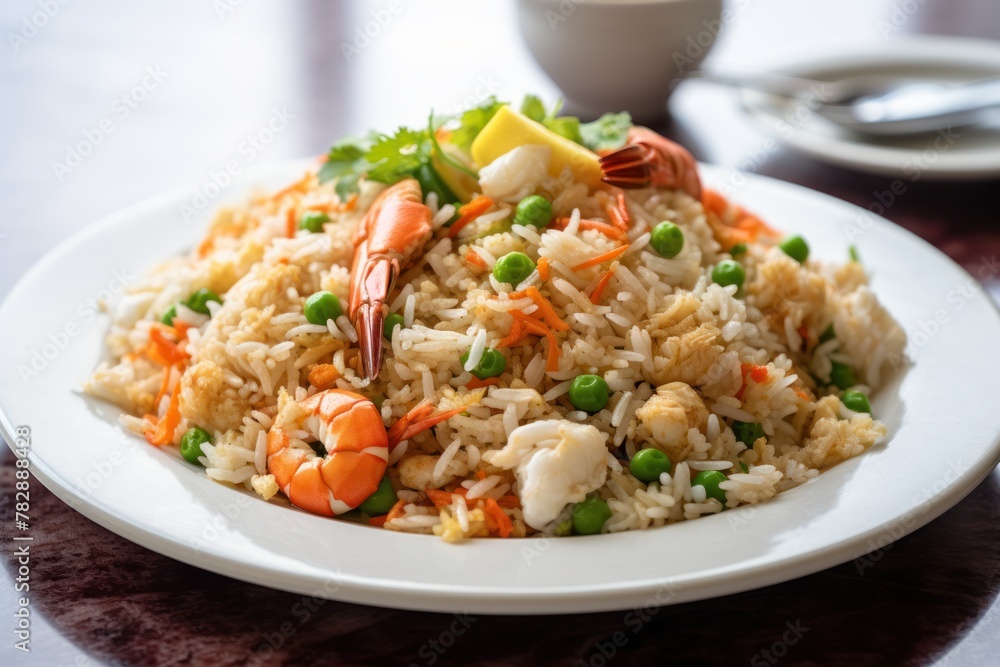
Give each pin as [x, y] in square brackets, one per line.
[442, 597]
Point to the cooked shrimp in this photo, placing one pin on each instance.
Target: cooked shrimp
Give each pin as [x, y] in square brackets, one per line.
[650, 160]
[357, 446]
[388, 241]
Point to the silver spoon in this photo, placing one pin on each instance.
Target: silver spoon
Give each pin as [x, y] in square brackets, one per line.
[878, 105]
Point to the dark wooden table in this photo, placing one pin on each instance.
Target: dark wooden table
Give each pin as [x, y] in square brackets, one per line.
[209, 76]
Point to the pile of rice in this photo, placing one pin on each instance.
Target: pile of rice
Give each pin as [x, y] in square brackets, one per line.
[660, 321]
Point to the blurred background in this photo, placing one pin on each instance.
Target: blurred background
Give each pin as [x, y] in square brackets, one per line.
[109, 102]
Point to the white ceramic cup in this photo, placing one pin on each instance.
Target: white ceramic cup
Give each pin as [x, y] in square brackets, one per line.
[614, 55]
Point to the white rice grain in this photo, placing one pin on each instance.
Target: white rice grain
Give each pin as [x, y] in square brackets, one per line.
[446, 457]
[476, 351]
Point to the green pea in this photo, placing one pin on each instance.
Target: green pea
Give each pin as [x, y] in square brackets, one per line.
[589, 393]
[312, 221]
[513, 268]
[565, 529]
[491, 365]
[842, 376]
[667, 239]
[648, 464]
[747, 433]
[729, 272]
[191, 443]
[391, 320]
[710, 479]
[796, 248]
[738, 249]
[828, 334]
[534, 210]
[322, 306]
[590, 516]
[169, 314]
[198, 302]
[381, 501]
[857, 401]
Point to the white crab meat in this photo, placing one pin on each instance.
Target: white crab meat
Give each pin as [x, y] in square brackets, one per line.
[558, 462]
[515, 174]
[670, 414]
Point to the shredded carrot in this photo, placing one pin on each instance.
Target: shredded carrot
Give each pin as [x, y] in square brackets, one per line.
[803, 395]
[439, 498]
[510, 502]
[546, 313]
[534, 326]
[610, 231]
[617, 212]
[290, 222]
[713, 202]
[515, 334]
[378, 521]
[470, 212]
[163, 432]
[756, 373]
[396, 511]
[753, 225]
[543, 268]
[164, 385]
[602, 284]
[503, 522]
[297, 185]
[473, 258]
[480, 474]
[351, 203]
[476, 383]
[322, 376]
[163, 351]
[603, 257]
[206, 245]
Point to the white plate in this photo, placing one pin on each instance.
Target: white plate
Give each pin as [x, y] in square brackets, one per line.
[941, 413]
[960, 153]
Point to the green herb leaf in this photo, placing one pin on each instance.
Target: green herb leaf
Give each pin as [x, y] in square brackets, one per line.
[533, 108]
[607, 132]
[346, 186]
[566, 126]
[393, 158]
[473, 121]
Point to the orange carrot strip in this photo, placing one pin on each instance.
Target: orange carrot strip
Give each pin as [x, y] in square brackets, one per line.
[322, 376]
[510, 502]
[378, 521]
[758, 374]
[480, 474]
[543, 268]
[515, 334]
[439, 498]
[546, 312]
[290, 223]
[603, 257]
[535, 327]
[470, 212]
[504, 524]
[476, 383]
[473, 258]
[608, 230]
[167, 372]
[163, 432]
[602, 284]
[163, 351]
[396, 511]
[297, 185]
[617, 212]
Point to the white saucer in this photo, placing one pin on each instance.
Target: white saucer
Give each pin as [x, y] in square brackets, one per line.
[951, 154]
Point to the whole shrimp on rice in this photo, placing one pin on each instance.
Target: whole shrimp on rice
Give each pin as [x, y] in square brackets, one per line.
[350, 428]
